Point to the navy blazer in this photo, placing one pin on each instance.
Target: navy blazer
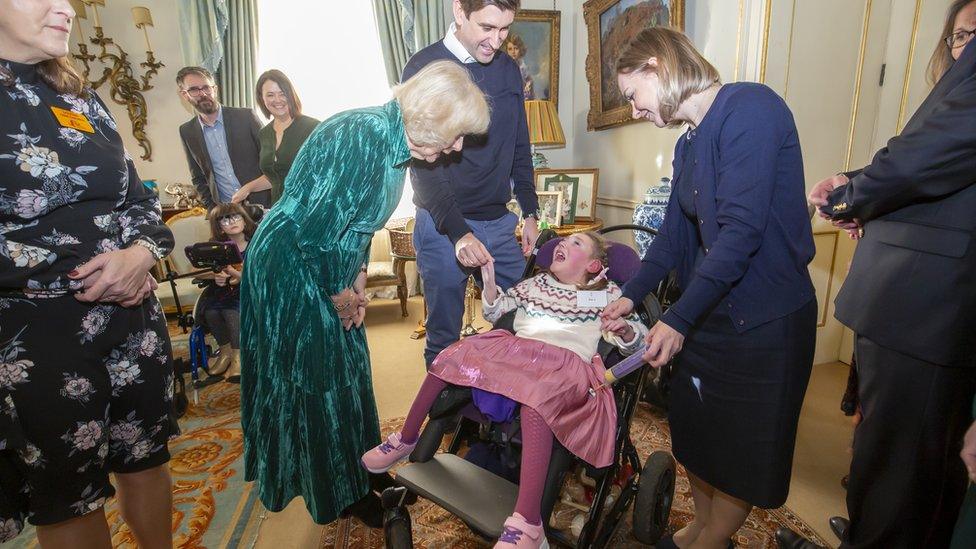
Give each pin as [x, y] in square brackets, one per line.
[912, 284]
[752, 225]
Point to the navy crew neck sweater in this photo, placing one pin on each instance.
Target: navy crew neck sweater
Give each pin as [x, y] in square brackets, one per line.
[479, 181]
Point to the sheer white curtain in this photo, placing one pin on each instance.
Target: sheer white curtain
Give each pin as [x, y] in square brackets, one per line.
[330, 50]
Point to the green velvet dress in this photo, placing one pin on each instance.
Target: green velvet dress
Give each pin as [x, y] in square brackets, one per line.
[276, 158]
[307, 405]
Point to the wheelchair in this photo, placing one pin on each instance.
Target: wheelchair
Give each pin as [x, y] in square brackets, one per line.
[483, 499]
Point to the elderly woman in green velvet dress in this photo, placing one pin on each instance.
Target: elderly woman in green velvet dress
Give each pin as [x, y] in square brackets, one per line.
[307, 405]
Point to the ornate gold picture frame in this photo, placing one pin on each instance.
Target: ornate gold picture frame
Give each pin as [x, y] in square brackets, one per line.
[533, 42]
[610, 26]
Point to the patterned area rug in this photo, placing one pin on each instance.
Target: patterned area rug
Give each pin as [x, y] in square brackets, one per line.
[435, 528]
[212, 503]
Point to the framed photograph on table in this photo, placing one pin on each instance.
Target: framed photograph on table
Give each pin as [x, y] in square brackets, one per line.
[533, 42]
[610, 26]
[581, 185]
[550, 207]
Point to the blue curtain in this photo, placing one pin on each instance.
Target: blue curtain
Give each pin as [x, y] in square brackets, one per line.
[237, 73]
[222, 36]
[202, 26]
[405, 27]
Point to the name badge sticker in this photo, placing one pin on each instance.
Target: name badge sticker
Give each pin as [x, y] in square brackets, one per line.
[71, 119]
[587, 298]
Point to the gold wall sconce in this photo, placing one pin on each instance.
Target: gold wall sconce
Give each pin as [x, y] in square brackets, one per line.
[125, 89]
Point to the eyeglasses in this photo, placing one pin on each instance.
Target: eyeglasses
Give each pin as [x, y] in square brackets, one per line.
[230, 219]
[959, 39]
[199, 90]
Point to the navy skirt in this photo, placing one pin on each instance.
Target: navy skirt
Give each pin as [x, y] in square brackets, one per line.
[735, 403]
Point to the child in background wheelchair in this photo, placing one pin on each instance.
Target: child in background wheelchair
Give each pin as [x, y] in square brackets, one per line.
[545, 367]
[218, 308]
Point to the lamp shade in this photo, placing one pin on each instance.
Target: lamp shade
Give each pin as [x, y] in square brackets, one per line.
[544, 127]
[141, 16]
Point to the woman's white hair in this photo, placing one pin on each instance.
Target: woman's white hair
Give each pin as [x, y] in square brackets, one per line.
[441, 103]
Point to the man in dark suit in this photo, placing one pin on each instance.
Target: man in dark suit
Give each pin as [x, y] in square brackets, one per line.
[221, 144]
[910, 297]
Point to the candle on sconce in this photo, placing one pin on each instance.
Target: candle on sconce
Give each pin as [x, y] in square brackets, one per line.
[80, 14]
[94, 5]
[143, 19]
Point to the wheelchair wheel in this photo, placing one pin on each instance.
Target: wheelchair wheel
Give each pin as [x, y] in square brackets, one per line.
[655, 492]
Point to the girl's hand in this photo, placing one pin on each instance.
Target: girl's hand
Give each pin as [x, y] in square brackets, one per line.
[663, 342]
[621, 307]
[489, 290]
[221, 278]
[619, 327]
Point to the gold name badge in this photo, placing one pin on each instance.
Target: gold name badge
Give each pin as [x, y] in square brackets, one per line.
[71, 119]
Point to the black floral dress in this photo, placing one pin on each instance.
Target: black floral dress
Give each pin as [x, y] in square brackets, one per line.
[85, 389]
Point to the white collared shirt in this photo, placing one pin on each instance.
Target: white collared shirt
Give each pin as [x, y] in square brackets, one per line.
[454, 46]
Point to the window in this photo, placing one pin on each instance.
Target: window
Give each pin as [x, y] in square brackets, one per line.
[331, 53]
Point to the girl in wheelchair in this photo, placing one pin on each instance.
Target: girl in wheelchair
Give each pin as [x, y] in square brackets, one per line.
[222, 299]
[545, 366]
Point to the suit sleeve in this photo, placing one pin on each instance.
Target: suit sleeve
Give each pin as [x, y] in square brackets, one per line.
[197, 177]
[255, 126]
[933, 160]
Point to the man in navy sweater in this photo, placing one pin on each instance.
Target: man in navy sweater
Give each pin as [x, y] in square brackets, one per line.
[462, 222]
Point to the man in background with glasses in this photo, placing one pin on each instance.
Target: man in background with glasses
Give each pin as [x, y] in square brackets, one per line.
[221, 143]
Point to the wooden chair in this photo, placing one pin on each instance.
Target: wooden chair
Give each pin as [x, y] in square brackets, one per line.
[387, 273]
[189, 227]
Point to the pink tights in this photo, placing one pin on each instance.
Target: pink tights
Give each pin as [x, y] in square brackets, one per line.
[536, 447]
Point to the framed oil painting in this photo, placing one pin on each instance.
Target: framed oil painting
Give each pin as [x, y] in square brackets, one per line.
[550, 207]
[579, 186]
[533, 42]
[610, 26]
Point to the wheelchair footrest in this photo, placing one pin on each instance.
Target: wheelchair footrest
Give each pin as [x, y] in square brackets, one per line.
[478, 497]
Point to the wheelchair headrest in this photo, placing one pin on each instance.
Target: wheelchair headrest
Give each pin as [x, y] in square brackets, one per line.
[623, 260]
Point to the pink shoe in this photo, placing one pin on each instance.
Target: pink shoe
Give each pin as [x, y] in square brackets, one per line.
[386, 455]
[519, 534]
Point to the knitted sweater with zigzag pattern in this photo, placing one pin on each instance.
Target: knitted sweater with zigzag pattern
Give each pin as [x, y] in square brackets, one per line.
[547, 310]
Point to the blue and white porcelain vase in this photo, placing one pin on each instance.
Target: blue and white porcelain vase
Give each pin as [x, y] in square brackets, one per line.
[650, 213]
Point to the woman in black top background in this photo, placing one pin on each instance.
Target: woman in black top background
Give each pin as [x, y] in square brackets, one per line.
[85, 363]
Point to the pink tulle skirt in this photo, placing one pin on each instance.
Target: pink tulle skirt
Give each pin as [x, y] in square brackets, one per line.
[553, 381]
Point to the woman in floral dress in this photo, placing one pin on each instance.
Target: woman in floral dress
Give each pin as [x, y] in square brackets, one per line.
[85, 361]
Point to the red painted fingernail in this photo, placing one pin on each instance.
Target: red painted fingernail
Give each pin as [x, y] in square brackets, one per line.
[73, 273]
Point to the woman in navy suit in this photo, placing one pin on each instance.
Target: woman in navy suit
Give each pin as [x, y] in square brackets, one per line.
[738, 233]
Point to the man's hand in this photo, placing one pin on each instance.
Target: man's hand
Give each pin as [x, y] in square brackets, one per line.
[818, 194]
[471, 252]
[530, 233]
[118, 276]
[241, 194]
[663, 342]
